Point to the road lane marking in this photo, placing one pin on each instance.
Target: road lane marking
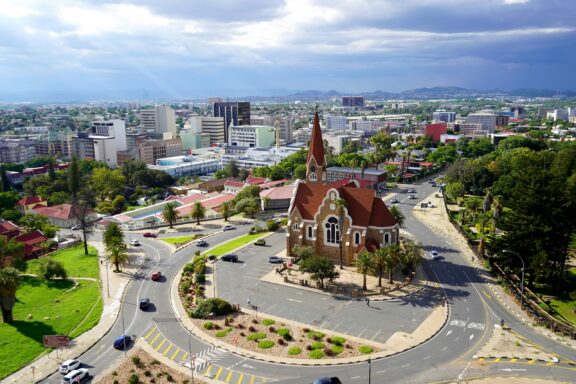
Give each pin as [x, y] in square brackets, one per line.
[514, 360]
[294, 300]
[456, 339]
[449, 332]
[497, 360]
[427, 357]
[487, 295]
[218, 373]
[252, 380]
[167, 349]
[229, 376]
[161, 344]
[405, 365]
[240, 378]
[207, 371]
[443, 349]
[377, 333]
[471, 337]
[184, 356]
[382, 371]
[548, 364]
[149, 333]
[175, 354]
[154, 339]
[532, 361]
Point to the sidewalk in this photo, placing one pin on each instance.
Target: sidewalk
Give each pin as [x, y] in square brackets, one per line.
[48, 364]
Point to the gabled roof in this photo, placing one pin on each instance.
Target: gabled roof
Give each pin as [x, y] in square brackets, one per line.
[316, 149]
[273, 183]
[60, 212]
[254, 180]
[8, 226]
[370, 245]
[31, 238]
[190, 198]
[234, 184]
[278, 193]
[28, 200]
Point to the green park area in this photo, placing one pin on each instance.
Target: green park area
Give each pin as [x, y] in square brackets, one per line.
[51, 307]
[560, 304]
[180, 240]
[236, 243]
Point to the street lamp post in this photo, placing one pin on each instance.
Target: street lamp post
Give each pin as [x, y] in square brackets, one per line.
[522, 281]
[369, 370]
[191, 358]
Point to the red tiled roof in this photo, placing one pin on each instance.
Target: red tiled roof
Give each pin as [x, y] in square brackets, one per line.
[28, 200]
[232, 183]
[316, 145]
[308, 198]
[350, 182]
[31, 238]
[279, 193]
[191, 198]
[8, 226]
[273, 183]
[217, 201]
[254, 180]
[60, 212]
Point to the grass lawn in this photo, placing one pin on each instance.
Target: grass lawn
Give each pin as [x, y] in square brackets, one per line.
[564, 303]
[57, 308]
[74, 261]
[180, 240]
[233, 244]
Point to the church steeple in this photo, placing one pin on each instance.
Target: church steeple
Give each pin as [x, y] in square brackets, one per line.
[316, 161]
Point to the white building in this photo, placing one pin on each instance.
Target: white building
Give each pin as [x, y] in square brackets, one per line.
[179, 166]
[486, 119]
[112, 128]
[558, 114]
[105, 150]
[160, 119]
[260, 157]
[213, 126]
[251, 136]
[336, 123]
[441, 115]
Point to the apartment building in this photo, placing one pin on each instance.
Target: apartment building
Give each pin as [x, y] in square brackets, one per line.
[152, 150]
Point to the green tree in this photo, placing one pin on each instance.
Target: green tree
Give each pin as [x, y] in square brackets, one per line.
[108, 183]
[393, 259]
[226, 210]
[364, 263]
[4, 184]
[249, 206]
[8, 200]
[320, 268]
[9, 249]
[302, 252]
[251, 191]
[455, 190]
[113, 239]
[73, 178]
[170, 214]
[472, 207]
[397, 213]
[486, 206]
[49, 269]
[198, 212]
[118, 257]
[410, 254]
[9, 284]
[379, 261]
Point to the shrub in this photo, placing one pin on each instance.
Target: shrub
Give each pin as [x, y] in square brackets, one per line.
[169, 377]
[265, 344]
[115, 382]
[211, 257]
[308, 347]
[316, 354]
[256, 336]
[154, 362]
[251, 329]
[230, 319]
[365, 349]
[242, 334]
[216, 326]
[208, 325]
[318, 345]
[216, 306]
[137, 362]
[272, 329]
[133, 379]
[240, 326]
[328, 352]
[200, 278]
[305, 330]
[188, 268]
[348, 346]
[48, 269]
[280, 341]
[337, 349]
[268, 322]
[293, 351]
[254, 321]
[314, 335]
[223, 333]
[147, 373]
[271, 225]
[185, 286]
[285, 333]
[337, 340]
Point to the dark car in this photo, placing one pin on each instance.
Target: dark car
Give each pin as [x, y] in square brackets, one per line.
[230, 257]
[156, 276]
[122, 342]
[144, 304]
[260, 242]
[327, 380]
[150, 234]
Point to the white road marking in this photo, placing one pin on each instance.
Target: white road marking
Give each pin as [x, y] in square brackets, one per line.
[294, 300]
[243, 266]
[248, 366]
[361, 333]
[443, 349]
[405, 365]
[448, 333]
[512, 369]
[355, 377]
[471, 337]
[456, 339]
[426, 358]
[377, 333]
[382, 371]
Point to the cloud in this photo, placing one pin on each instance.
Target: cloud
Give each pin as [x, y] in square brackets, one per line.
[515, 1]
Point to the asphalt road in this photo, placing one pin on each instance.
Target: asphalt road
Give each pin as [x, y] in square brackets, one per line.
[473, 313]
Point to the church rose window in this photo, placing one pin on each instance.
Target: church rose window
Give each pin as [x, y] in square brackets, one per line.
[332, 231]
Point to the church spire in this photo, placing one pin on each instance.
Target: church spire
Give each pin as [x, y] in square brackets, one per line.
[316, 161]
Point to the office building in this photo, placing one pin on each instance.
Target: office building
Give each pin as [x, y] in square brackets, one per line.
[441, 115]
[191, 140]
[435, 130]
[518, 111]
[159, 119]
[234, 113]
[83, 146]
[212, 126]
[502, 120]
[353, 101]
[180, 166]
[112, 128]
[336, 123]
[251, 136]
[558, 114]
[152, 150]
[105, 150]
[486, 119]
[17, 151]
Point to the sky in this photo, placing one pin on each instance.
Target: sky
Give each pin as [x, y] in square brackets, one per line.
[117, 49]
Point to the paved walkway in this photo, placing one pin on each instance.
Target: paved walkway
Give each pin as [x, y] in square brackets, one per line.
[113, 285]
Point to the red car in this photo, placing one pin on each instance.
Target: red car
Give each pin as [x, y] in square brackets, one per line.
[150, 234]
[156, 276]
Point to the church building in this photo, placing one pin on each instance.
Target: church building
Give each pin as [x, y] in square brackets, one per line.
[323, 215]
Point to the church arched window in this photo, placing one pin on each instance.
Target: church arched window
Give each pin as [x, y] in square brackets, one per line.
[332, 231]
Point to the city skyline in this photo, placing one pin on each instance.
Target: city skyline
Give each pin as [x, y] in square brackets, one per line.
[173, 49]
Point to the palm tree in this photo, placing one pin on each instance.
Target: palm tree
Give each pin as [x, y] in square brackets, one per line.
[9, 284]
[379, 258]
[198, 212]
[498, 208]
[398, 215]
[226, 210]
[486, 205]
[364, 263]
[363, 166]
[118, 257]
[411, 254]
[392, 259]
[340, 206]
[472, 206]
[353, 164]
[169, 213]
[113, 237]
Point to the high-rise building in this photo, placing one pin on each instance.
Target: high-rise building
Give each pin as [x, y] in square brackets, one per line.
[159, 119]
[336, 123]
[152, 150]
[558, 114]
[353, 101]
[235, 113]
[213, 126]
[17, 151]
[251, 136]
[486, 119]
[113, 128]
[435, 130]
[441, 115]
[105, 150]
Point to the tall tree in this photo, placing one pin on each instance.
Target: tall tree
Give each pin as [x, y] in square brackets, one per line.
[170, 214]
[486, 206]
[380, 261]
[340, 210]
[398, 215]
[85, 201]
[113, 237]
[73, 178]
[9, 249]
[392, 259]
[198, 212]
[364, 263]
[319, 268]
[4, 184]
[118, 257]
[497, 214]
[9, 284]
[226, 210]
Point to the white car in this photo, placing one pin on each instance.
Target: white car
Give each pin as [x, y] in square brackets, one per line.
[69, 365]
[434, 255]
[75, 377]
[134, 242]
[228, 227]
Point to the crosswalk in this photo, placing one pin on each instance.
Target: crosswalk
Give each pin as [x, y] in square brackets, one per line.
[205, 363]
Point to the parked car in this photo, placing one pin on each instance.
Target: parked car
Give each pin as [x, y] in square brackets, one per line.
[150, 234]
[228, 227]
[275, 259]
[76, 227]
[434, 255]
[134, 242]
[156, 276]
[144, 304]
[394, 201]
[260, 242]
[385, 189]
[69, 365]
[76, 376]
[230, 257]
[327, 380]
[201, 243]
[411, 190]
[412, 197]
[122, 342]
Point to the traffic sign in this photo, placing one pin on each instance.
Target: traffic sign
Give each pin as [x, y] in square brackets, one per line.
[56, 341]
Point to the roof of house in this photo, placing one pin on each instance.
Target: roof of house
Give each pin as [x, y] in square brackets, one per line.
[28, 200]
[316, 144]
[215, 183]
[255, 180]
[278, 193]
[235, 184]
[31, 238]
[8, 226]
[191, 198]
[60, 212]
[273, 183]
[362, 205]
